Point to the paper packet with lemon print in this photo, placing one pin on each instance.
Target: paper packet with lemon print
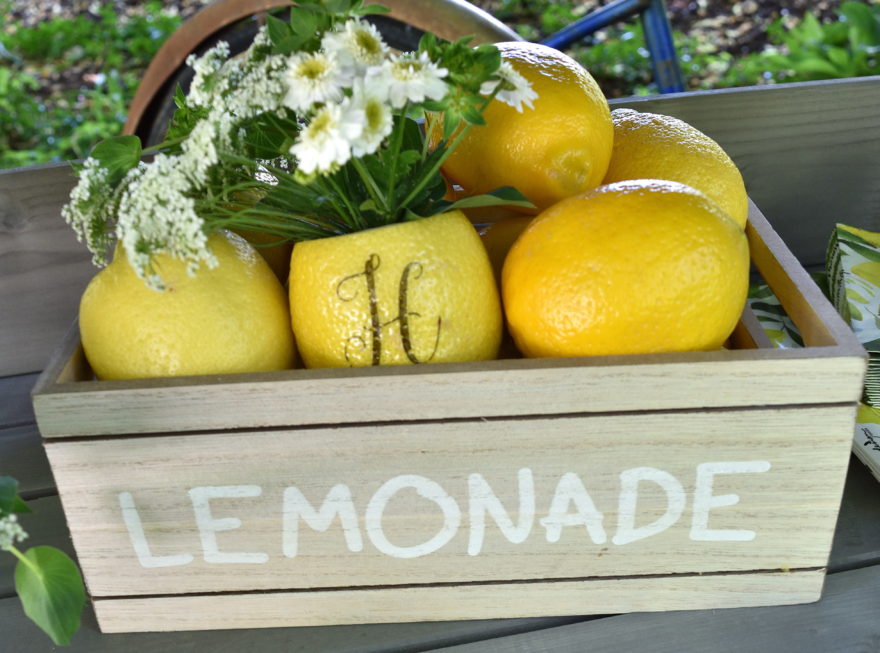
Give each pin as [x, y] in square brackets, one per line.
[852, 282]
[853, 265]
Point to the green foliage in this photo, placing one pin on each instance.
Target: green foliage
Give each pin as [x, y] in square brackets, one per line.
[39, 125]
[848, 47]
[618, 59]
[47, 581]
[51, 591]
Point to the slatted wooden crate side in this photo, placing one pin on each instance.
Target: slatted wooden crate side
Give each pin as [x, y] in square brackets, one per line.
[143, 520]
[497, 389]
[454, 602]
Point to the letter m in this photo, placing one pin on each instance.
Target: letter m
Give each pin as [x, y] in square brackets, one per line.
[337, 502]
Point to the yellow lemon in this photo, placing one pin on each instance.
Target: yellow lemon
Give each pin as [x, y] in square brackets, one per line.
[498, 237]
[277, 254]
[411, 292]
[228, 319]
[631, 267]
[559, 148]
[655, 146]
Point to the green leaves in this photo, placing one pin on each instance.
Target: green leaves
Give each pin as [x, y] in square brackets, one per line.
[51, 592]
[47, 581]
[10, 502]
[118, 155]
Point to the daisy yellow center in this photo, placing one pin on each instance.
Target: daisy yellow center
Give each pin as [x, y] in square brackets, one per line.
[406, 70]
[367, 43]
[320, 124]
[374, 114]
[312, 69]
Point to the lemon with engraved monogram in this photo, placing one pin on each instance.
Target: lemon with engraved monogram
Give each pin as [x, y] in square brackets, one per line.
[227, 319]
[405, 293]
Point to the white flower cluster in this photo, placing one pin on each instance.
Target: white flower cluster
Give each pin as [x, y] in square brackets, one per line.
[10, 531]
[348, 91]
[87, 209]
[157, 213]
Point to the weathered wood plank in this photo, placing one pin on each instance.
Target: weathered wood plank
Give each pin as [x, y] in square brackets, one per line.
[43, 270]
[844, 620]
[15, 400]
[21, 636]
[809, 152]
[267, 609]
[23, 457]
[787, 499]
[857, 535]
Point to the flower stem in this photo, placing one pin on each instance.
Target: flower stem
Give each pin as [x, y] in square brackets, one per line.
[396, 144]
[18, 554]
[435, 169]
[372, 187]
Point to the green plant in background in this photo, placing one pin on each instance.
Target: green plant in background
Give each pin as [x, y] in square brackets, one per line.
[39, 125]
[618, 59]
[48, 582]
[848, 47]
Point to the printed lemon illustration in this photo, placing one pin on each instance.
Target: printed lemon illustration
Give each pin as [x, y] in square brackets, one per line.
[410, 292]
[556, 149]
[228, 319]
[655, 146]
[631, 267]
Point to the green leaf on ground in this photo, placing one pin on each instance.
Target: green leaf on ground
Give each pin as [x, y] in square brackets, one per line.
[51, 590]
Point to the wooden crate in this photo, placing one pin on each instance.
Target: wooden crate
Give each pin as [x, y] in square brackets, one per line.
[509, 488]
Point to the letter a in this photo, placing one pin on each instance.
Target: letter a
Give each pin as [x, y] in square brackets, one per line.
[569, 490]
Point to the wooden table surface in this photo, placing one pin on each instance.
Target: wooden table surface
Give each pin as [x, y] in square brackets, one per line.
[810, 154]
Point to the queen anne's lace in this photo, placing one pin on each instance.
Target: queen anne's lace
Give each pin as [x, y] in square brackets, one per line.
[88, 208]
[157, 214]
[11, 531]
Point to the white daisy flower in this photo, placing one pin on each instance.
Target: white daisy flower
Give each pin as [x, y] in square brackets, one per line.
[377, 116]
[410, 78]
[325, 143]
[313, 78]
[357, 45]
[514, 90]
[10, 531]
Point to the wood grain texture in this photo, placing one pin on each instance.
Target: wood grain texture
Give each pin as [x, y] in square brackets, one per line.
[844, 620]
[808, 152]
[792, 508]
[265, 610]
[23, 457]
[857, 535]
[43, 270]
[441, 391]
[15, 400]
[21, 636]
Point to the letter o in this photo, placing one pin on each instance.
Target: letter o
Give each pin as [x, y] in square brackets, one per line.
[426, 488]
